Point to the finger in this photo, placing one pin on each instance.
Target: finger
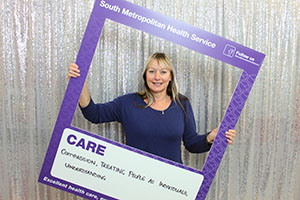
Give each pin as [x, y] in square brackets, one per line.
[74, 67]
[74, 71]
[73, 74]
[229, 141]
[230, 137]
[231, 132]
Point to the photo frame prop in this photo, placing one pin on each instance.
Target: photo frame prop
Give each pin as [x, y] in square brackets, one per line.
[94, 167]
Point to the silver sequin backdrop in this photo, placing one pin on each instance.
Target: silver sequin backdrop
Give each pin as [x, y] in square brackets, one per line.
[39, 39]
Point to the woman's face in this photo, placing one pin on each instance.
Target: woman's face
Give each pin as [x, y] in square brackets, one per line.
[157, 77]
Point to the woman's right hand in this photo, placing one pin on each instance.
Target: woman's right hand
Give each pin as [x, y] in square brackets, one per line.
[74, 71]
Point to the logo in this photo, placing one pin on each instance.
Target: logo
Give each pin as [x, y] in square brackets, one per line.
[229, 50]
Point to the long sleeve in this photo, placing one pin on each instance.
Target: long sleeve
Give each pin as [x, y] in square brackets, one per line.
[193, 142]
[102, 112]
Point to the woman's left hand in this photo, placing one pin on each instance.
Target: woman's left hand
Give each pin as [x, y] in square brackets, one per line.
[230, 135]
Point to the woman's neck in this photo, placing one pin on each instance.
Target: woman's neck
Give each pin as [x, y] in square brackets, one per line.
[160, 101]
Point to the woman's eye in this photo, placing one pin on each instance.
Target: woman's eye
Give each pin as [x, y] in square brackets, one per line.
[151, 71]
[164, 72]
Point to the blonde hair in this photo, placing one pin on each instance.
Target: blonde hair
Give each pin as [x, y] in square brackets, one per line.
[172, 89]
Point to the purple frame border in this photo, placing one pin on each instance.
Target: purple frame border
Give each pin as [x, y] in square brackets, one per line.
[84, 59]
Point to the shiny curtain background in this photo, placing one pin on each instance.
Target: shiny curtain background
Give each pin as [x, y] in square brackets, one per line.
[39, 39]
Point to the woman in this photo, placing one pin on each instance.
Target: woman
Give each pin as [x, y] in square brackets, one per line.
[155, 119]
